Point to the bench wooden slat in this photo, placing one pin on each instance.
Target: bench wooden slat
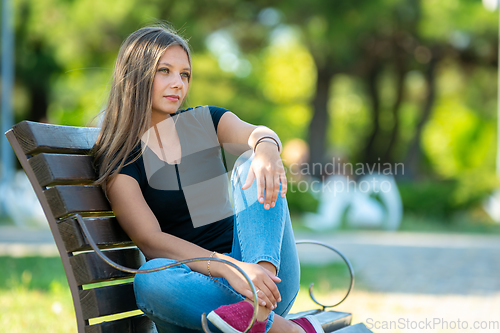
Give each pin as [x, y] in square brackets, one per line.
[83, 199]
[37, 138]
[358, 328]
[333, 320]
[329, 320]
[135, 324]
[106, 232]
[107, 300]
[58, 157]
[89, 268]
[63, 169]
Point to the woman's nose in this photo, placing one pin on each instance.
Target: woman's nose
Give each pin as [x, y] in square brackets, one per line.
[177, 81]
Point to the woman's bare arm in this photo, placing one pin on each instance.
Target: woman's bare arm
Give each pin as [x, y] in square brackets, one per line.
[266, 168]
[232, 129]
[139, 222]
[141, 225]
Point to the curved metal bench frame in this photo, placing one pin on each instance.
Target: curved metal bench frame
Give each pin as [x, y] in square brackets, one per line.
[254, 292]
[349, 266]
[53, 151]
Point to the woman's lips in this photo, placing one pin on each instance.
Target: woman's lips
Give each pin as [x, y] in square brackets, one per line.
[173, 98]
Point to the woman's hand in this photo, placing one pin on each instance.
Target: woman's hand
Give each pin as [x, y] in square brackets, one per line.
[267, 168]
[263, 280]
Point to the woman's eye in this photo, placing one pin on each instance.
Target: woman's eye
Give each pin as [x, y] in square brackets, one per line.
[186, 75]
[163, 70]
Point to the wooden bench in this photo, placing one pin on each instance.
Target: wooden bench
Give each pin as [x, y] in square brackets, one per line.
[58, 164]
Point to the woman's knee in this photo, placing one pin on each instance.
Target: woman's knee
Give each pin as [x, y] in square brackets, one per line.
[243, 199]
[288, 297]
[241, 168]
[288, 287]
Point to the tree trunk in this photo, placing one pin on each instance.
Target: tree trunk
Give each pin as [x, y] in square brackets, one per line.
[372, 78]
[39, 103]
[400, 79]
[414, 153]
[320, 120]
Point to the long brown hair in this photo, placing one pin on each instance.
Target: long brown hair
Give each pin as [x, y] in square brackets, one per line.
[128, 112]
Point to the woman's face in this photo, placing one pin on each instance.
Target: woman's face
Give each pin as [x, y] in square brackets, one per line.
[171, 82]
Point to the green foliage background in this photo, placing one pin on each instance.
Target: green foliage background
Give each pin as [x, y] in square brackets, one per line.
[65, 52]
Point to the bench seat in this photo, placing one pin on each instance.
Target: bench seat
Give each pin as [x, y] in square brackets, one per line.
[58, 162]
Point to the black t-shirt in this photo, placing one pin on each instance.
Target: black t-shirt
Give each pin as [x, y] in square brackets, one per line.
[170, 206]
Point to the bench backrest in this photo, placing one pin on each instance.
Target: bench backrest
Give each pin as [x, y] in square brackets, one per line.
[57, 162]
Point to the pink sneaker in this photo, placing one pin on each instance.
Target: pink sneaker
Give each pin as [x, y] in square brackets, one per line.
[234, 318]
[309, 324]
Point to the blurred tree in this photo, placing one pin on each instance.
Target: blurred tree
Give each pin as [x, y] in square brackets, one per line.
[66, 49]
[462, 32]
[375, 40]
[384, 57]
[335, 34]
[35, 64]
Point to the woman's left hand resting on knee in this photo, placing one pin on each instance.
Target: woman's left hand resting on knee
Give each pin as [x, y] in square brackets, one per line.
[267, 167]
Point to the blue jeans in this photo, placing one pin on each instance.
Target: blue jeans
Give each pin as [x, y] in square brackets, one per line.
[175, 298]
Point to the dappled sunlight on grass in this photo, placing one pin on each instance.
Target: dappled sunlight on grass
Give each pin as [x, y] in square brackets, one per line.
[34, 296]
[25, 310]
[31, 273]
[404, 310]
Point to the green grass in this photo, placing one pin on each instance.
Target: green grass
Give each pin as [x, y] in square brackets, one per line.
[34, 296]
[31, 310]
[30, 273]
[331, 282]
[328, 277]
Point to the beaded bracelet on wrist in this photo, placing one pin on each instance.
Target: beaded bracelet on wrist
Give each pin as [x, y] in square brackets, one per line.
[208, 267]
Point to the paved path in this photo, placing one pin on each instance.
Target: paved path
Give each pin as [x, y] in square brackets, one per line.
[409, 282]
[18, 242]
[417, 263]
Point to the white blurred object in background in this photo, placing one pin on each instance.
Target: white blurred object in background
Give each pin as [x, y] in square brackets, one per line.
[490, 5]
[374, 202]
[20, 202]
[492, 206]
[333, 201]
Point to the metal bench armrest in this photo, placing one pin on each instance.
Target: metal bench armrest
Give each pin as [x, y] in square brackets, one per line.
[136, 271]
[349, 266]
